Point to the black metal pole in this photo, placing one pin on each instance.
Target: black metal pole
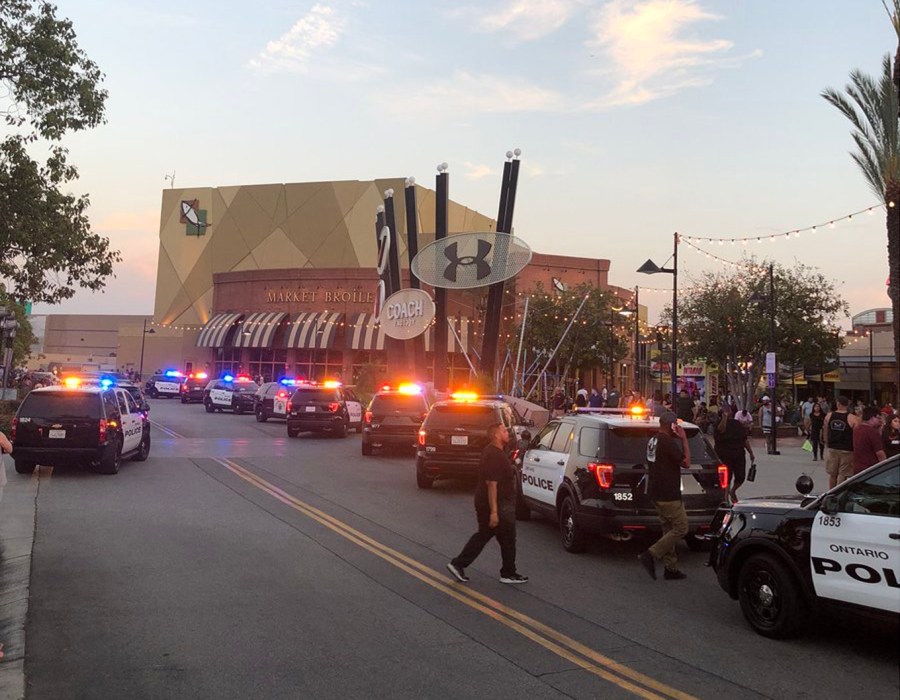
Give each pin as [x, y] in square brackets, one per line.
[772, 350]
[871, 377]
[412, 249]
[675, 319]
[143, 338]
[390, 221]
[441, 224]
[637, 332]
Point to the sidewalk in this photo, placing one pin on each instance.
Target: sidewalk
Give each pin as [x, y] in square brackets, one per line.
[776, 474]
[17, 513]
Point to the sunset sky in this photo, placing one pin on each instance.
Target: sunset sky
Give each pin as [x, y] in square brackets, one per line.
[636, 119]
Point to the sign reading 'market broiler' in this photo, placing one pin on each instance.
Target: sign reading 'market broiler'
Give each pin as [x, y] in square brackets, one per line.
[407, 313]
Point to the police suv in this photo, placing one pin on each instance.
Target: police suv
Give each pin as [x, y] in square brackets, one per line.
[272, 399]
[327, 407]
[193, 386]
[587, 471]
[785, 557]
[167, 384]
[230, 393]
[393, 417]
[75, 423]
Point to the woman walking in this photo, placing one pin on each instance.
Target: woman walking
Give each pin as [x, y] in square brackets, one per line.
[816, 421]
[891, 436]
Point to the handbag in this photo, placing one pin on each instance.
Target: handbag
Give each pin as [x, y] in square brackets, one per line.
[807, 445]
[751, 475]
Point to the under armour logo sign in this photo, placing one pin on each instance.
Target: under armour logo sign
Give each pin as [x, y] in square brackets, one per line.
[482, 268]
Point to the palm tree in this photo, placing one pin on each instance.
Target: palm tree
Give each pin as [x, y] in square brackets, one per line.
[872, 108]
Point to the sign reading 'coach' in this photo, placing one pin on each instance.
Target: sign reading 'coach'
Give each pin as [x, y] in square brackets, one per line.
[407, 313]
[467, 260]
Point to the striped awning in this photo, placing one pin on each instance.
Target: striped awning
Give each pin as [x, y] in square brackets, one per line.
[362, 333]
[313, 330]
[258, 330]
[216, 330]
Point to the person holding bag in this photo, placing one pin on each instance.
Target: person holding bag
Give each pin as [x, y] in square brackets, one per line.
[731, 443]
[816, 422]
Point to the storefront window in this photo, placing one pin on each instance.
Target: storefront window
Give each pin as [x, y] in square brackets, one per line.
[227, 360]
[267, 363]
[319, 365]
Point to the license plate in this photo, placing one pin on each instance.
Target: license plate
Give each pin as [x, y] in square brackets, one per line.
[56, 434]
[459, 439]
[310, 409]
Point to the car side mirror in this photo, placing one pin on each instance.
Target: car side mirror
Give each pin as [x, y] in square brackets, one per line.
[829, 504]
[804, 484]
[145, 407]
[526, 435]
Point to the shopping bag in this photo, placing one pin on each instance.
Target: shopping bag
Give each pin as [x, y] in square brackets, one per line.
[807, 445]
[751, 475]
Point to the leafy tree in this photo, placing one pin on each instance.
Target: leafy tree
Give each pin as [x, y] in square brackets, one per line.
[24, 335]
[872, 107]
[725, 318]
[598, 337]
[51, 88]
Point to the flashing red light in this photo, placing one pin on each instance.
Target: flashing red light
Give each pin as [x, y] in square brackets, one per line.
[102, 430]
[723, 476]
[242, 378]
[368, 417]
[334, 407]
[282, 394]
[201, 375]
[603, 473]
[289, 406]
[332, 384]
[386, 387]
[464, 396]
[422, 435]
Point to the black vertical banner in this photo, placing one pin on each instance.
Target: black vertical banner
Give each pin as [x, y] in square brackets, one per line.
[394, 257]
[492, 318]
[441, 226]
[412, 249]
[382, 262]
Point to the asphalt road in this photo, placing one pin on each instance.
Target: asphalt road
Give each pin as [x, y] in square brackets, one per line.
[238, 563]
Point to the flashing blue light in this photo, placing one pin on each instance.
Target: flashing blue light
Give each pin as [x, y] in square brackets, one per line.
[228, 378]
[173, 373]
[287, 381]
[106, 383]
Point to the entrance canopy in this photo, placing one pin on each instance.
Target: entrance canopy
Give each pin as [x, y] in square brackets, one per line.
[314, 330]
[215, 332]
[258, 330]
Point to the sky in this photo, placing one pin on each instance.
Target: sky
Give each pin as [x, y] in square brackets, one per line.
[636, 119]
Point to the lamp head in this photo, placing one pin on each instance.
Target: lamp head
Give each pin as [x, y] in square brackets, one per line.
[649, 268]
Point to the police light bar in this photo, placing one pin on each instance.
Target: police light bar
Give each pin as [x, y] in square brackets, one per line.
[71, 382]
[243, 378]
[173, 373]
[409, 389]
[201, 375]
[464, 396]
[637, 410]
[106, 382]
[332, 384]
[227, 378]
[287, 381]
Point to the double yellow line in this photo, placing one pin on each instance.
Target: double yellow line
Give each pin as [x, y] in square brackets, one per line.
[549, 638]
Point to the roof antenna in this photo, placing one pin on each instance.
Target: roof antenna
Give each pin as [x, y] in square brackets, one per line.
[171, 179]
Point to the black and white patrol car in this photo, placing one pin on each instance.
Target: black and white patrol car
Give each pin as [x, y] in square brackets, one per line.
[167, 384]
[588, 472]
[328, 407]
[93, 424]
[784, 558]
[230, 393]
[193, 387]
[393, 417]
[272, 398]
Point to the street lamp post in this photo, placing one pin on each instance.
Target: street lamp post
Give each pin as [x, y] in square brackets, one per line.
[9, 326]
[651, 268]
[871, 375]
[143, 338]
[773, 381]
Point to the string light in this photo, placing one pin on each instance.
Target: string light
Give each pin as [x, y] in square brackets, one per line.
[831, 223]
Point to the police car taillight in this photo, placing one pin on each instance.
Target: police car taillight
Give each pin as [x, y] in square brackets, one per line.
[289, 406]
[723, 476]
[103, 430]
[603, 473]
[12, 428]
[422, 435]
[368, 417]
[334, 407]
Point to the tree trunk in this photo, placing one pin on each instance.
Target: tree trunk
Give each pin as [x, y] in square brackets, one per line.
[892, 194]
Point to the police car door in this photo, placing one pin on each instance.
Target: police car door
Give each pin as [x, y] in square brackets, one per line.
[221, 395]
[539, 456]
[354, 407]
[280, 396]
[855, 553]
[131, 421]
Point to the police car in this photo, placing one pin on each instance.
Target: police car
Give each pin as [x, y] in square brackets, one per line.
[393, 417]
[193, 386]
[74, 423]
[326, 407]
[272, 398]
[230, 393]
[167, 384]
[784, 558]
[587, 471]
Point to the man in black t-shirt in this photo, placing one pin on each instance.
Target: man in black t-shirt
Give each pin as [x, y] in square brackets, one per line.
[731, 442]
[667, 453]
[495, 508]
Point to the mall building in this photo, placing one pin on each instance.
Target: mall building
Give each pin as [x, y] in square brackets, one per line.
[280, 279]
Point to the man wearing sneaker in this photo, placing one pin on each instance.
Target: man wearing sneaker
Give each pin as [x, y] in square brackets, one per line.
[495, 509]
[667, 453]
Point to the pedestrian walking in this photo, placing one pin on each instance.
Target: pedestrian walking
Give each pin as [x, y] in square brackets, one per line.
[731, 444]
[890, 435]
[595, 400]
[684, 406]
[838, 432]
[559, 403]
[868, 448]
[667, 453]
[806, 409]
[816, 425]
[495, 510]
[767, 422]
[581, 398]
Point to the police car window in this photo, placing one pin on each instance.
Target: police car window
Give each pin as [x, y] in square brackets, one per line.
[588, 442]
[877, 495]
[545, 438]
[398, 402]
[318, 394]
[630, 445]
[123, 404]
[58, 405]
[112, 406]
[132, 405]
[349, 395]
[561, 439]
[272, 389]
[461, 416]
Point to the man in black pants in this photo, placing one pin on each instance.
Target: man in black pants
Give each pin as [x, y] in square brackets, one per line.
[731, 443]
[495, 508]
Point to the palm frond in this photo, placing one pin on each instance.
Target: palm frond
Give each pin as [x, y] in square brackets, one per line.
[894, 15]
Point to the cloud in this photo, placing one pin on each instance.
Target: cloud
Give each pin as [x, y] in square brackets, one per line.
[467, 93]
[528, 19]
[295, 51]
[651, 58]
[476, 172]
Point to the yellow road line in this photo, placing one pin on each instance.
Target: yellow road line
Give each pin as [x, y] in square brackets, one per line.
[602, 666]
[167, 431]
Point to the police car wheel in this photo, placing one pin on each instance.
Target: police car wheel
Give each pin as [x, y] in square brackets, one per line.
[154, 394]
[183, 400]
[573, 537]
[422, 481]
[342, 431]
[143, 449]
[238, 408]
[770, 597]
[261, 416]
[24, 466]
[366, 449]
[208, 405]
[293, 432]
[112, 460]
